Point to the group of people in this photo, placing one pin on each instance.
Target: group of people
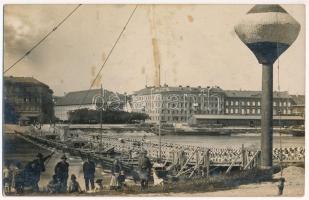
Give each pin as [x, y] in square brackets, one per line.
[14, 176]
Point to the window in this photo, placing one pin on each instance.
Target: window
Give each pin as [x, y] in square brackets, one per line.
[289, 104]
[236, 110]
[253, 103]
[280, 103]
[232, 111]
[259, 111]
[253, 111]
[284, 111]
[242, 103]
[227, 103]
[274, 112]
[248, 103]
[242, 111]
[248, 111]
[232, 103]
[284, 103]
[259, 103]
[226, 110]
[289, 111]
[236, 103]
[275, 104]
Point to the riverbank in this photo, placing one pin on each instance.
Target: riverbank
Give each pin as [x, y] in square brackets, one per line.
[16, 148]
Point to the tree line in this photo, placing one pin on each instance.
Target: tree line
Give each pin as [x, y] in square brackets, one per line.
[86, 116]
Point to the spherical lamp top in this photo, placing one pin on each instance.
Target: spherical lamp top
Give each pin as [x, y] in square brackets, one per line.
[267, 30]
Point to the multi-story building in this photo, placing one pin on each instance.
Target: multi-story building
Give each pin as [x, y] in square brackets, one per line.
[180, 104]
[89, 99]
[239, 102]
[27, 99]
[298, 106]
[177, 104]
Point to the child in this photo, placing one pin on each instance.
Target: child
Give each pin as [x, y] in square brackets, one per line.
[121, 180]
[54, 185]
[74, 185]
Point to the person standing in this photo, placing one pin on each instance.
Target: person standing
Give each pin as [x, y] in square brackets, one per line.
[6, 179]
[62, 173]
[38, 166]
[116, 169]
[144, 166]
[281, 186]
[89, 172]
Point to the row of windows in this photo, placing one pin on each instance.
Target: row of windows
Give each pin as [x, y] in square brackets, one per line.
[254, 103]
[242, 111]
[175, 97]
[30, 108]
[253, 111]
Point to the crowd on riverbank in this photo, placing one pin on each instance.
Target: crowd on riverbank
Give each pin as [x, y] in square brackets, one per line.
[19, 179]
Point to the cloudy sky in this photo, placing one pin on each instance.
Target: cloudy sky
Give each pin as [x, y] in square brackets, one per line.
[196, 44]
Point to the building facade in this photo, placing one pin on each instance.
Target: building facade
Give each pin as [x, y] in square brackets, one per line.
[89, 99]
[298, 107]
[178, 104]
[27, 99]
[239, 102]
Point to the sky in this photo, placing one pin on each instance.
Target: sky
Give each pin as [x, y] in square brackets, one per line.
[196, 45]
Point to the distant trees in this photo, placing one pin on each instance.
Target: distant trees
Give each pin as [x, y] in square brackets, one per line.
[10, 114]
[85, 116]
[47, 106]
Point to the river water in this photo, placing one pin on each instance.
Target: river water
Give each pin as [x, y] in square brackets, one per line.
[249, 140]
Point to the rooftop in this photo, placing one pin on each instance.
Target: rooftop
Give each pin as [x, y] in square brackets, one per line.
[23, 80]
[175, 89]
[253, 94]
[84, 97]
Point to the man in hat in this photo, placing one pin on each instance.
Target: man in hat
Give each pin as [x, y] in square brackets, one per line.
[36, 167]
[62, 173]
[89, 171]
[144, 166]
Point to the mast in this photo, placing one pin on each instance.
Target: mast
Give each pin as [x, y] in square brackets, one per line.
[160, 123]
[101, 115]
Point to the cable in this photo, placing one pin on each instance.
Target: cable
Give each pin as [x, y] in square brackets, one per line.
[110, 52]
[38, 43]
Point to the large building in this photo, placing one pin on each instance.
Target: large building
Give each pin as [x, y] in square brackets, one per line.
[89, 99]
[180, 104]
[239, 102]
[27, 100]
[298, 108]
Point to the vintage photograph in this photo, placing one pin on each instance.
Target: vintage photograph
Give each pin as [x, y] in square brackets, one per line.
[153, 100]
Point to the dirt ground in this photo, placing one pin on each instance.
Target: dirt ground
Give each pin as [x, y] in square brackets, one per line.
[294, 187]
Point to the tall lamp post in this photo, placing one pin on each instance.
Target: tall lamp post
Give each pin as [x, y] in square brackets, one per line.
[267, 30]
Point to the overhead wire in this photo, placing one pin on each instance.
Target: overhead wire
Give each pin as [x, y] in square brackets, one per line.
[40, 41]
[109, 54]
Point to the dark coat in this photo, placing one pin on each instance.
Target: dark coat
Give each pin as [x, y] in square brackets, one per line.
[116, 168]
[144, 164]
[62, 170]
[89, 169]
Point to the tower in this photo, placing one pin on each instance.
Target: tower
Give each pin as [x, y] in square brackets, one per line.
[268, 31]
